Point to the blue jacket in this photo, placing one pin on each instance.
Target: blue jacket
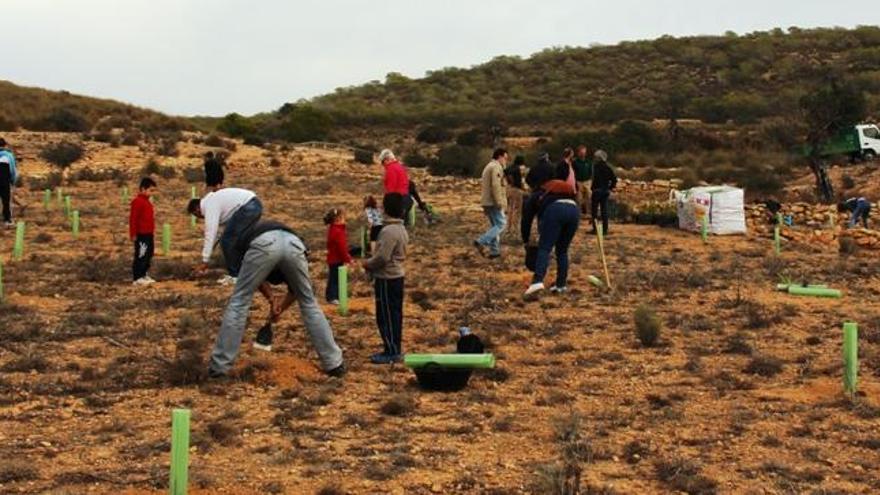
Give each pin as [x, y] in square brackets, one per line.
[11, 159]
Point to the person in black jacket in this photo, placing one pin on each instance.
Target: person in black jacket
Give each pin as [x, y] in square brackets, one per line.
[542, 172]
[213, 172]
[604, 181]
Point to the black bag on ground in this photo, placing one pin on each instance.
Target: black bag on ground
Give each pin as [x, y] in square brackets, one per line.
[443, 379]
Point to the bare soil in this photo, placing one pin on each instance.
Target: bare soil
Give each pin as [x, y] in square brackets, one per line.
[742, 393]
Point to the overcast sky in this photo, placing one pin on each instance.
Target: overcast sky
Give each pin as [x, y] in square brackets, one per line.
[212, 57]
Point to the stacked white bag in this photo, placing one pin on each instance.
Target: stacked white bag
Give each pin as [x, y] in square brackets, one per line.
[723, 206]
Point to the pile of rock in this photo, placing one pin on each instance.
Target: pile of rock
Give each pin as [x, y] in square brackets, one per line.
[811, 224]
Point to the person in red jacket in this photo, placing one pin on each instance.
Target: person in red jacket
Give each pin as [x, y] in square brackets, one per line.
[396, 179]
[141, 226]
[337, 252]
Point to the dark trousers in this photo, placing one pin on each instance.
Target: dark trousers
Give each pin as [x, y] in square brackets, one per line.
[143, 255]
[599, 200]
[246, 215]
[6, 191]
[332, 291]
[389, 313]
[556, 230]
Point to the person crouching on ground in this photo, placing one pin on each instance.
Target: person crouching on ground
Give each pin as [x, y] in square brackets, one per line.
[141, 231]
[860, 208]
[264, 249]
[386, 267]
[337, 252]
[558, 217]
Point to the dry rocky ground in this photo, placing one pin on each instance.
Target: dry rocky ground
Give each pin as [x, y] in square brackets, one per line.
[742, 393]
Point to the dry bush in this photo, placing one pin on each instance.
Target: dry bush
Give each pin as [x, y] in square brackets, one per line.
[683, 475]
[194, 174]
[399, 405]
[738, 344]
[188, 367]
[223, 432]
[30, 360]
[647, 325]
[12, 470]
[563, 477]
[764, 366]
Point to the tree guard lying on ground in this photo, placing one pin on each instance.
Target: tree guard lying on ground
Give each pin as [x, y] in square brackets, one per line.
[814, 291]
[446, 372]
[784, 287]
[450, 360]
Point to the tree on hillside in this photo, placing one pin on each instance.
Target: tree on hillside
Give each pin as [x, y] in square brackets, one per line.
[235, 125]
[303, 122]
[832, 108]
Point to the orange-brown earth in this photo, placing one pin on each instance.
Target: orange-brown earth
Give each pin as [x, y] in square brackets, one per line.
[741, 395]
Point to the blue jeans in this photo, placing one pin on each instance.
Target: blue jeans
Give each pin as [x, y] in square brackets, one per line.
[556, 228]
[497, 223]
[862, 212]
[246, 215]
[285, 252]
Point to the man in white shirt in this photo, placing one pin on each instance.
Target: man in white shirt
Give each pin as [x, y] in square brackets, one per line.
[235, 208]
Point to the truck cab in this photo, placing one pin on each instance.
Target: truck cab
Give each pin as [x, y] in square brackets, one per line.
[869, 142]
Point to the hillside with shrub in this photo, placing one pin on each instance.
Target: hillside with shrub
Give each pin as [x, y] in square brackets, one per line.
[715, 79]
[38, 109]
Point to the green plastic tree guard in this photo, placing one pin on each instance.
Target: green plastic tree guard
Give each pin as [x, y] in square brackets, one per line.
[776, 245]
[365, 241]
[74, 224]
[58, 195]
[67, 210]
[192, 192]
[784, 287]
[18, 247]
[594, 280]
[343, 290]
[779, 220]
[450, 360]
[47, 198]
[704, 228]
[411, 217]
[797, 290]
[179, 451]
[850, 357]
[166, 239]
[1, 282]
[125, 196]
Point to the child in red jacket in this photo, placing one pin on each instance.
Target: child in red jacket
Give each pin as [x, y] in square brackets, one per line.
[141, 226]
[337, 252]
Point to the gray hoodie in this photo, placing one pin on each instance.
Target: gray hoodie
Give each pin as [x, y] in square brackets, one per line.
[387, 262]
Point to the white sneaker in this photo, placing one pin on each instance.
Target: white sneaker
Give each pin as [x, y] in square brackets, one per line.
[558, 290]
[334, 302]
[533, 290]
[150, 279]
[227, 280]
[9, 225]
[143, 281]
